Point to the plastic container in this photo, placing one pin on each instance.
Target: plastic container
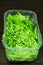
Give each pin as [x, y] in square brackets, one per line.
[22, 54]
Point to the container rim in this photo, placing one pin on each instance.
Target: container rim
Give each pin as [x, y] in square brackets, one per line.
[21, 11]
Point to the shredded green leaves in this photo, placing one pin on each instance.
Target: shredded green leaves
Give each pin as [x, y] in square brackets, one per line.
[21, 32]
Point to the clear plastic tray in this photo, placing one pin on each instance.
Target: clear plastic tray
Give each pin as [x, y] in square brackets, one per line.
[26, 53]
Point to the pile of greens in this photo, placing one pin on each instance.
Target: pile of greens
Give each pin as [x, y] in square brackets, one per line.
[20, 32]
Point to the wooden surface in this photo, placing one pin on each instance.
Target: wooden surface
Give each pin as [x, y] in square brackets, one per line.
[34, 5]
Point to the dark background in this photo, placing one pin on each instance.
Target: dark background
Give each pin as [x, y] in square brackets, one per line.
[34, 5]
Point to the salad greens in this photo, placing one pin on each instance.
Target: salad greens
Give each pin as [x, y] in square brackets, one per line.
[21, 32]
